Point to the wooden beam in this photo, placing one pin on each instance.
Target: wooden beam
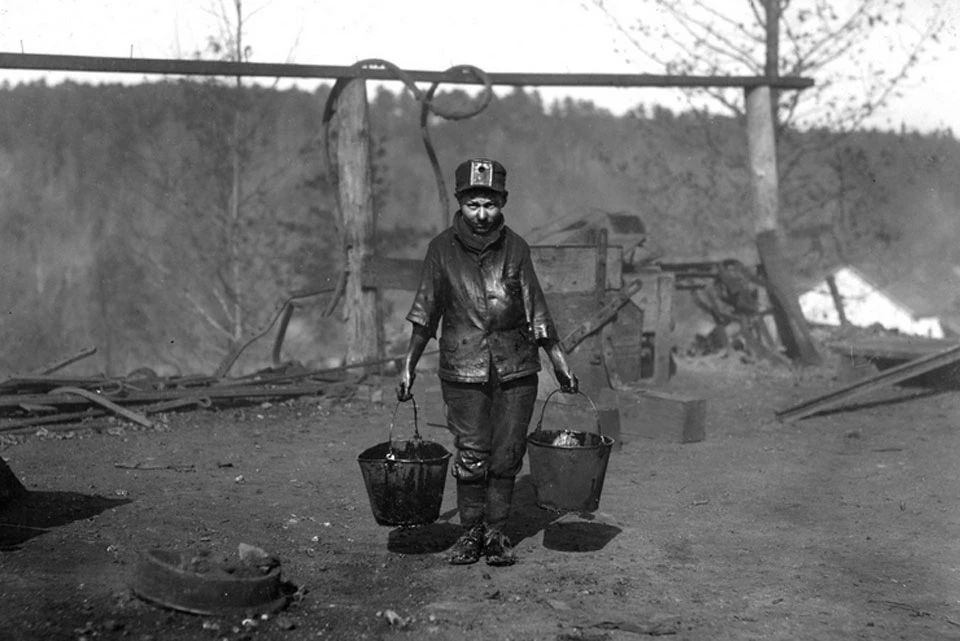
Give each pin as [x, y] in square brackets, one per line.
[894, 348]
[889, 376]
[791, 324]
[160, 66]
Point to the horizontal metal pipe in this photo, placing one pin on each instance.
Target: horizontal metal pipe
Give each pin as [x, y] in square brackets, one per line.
[48, 62]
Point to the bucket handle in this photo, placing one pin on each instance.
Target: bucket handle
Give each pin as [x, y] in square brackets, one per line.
[416, 426]
[581, 393]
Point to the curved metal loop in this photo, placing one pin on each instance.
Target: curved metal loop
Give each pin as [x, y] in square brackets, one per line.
[112, 387]
[401, 75]
[543, 409]
[483, 103]
[426, 108]
[416, 422]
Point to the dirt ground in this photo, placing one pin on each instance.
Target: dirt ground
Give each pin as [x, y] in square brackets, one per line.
[839, 526]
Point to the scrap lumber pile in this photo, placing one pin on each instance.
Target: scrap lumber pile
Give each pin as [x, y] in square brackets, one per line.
[917, 358]
[30, 401]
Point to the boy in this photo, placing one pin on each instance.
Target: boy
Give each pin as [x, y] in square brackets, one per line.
[478, 281]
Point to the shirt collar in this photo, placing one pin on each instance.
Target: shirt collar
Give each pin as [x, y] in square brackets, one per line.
[473, 241]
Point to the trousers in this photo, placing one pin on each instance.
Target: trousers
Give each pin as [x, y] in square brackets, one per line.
[489, 423]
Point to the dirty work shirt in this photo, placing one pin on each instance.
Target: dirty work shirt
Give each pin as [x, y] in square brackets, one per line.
[486, 293]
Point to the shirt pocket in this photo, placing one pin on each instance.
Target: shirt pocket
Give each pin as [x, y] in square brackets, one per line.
[512, 287]
[449, 344]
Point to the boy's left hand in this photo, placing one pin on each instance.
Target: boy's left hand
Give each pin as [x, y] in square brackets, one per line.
[567, 380]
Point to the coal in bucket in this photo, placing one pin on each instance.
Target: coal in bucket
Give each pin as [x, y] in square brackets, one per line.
[567, 466]
[405, 479]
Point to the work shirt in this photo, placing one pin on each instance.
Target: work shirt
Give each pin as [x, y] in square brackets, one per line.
[490, 303]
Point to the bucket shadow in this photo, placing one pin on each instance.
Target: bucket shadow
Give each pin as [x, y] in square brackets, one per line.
[423, 539]
[560, 533]
[36, 513]
[567, 536]
[527, 518]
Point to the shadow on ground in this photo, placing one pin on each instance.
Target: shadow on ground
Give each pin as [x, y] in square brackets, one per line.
[423, 539]
[36, 513]
[527, 520]
[559, 532]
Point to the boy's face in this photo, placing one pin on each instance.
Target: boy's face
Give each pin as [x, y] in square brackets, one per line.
[482, 210]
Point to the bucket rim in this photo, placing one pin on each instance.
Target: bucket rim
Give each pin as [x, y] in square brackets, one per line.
[605, 441]
[366, 455]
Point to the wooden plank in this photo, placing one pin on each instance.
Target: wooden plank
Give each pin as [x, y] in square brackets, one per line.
[626, 339]
[898, 348]
[889, 376]
[215, 392]
[658, 415]
[791, 324]
[655, 298]
[578, 319]
[573, 268]
[663, 329]
[600, 317]
[52, 62]
[607, 356]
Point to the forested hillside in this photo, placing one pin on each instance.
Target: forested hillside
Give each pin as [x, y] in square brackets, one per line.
[159, 222]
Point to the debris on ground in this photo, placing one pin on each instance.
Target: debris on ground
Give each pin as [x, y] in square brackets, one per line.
[43, 401]
[394, 619]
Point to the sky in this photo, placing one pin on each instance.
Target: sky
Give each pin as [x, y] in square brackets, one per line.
[495, 35]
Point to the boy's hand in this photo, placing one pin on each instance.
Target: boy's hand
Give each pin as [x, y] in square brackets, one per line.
[405, 386]
[567, 380]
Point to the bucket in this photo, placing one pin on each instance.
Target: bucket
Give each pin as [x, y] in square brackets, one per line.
[567, 466]
[405, 479]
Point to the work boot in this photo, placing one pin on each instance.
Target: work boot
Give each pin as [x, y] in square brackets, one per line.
[468, 547]
[471, 500]
[497, 548]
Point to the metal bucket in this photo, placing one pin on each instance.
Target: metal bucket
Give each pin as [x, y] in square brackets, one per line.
[169, 579]
[568, 477]
[405, 479]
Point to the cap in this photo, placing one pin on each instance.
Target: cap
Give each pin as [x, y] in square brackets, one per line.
[481, 173]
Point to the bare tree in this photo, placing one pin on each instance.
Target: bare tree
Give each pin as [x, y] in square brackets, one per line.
[859, 52]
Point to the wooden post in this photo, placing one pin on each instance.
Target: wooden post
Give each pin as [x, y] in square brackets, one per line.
[837, 300]
[663, 329]
[358, 223]
[761, 145]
